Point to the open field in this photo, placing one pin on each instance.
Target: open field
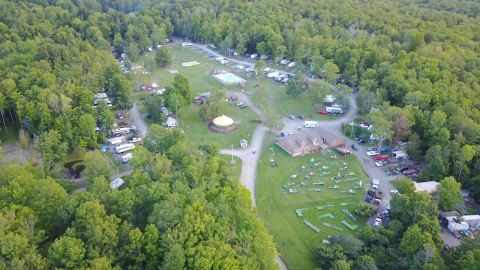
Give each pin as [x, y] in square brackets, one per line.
[295, 241]
[265, 93]
[201, 81]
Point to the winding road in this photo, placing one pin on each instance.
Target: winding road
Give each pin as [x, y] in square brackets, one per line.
[249, 157]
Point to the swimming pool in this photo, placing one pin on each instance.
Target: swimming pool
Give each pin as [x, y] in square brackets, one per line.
[229, 78]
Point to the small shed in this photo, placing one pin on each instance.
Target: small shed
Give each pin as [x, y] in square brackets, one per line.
[202, 98]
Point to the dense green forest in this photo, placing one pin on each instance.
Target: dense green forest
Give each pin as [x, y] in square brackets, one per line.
[418, 61]
[179, 209]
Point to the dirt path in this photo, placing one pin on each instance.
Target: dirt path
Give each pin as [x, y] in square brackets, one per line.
[138, 121]
[249, 159]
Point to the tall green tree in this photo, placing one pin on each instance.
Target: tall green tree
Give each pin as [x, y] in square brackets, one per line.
[449, 193]
[296, 86]
[51, 148]
[67, 253]
[162, 57]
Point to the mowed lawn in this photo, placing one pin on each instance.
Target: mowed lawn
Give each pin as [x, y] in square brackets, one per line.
[201, 81]
[295, 241]
[265, 93]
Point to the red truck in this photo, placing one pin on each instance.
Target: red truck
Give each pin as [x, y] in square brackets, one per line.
[381, 157]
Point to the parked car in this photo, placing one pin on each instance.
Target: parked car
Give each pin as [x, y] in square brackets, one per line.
[385, 149]
[322, 112]
[135, 140]
[392, 172]
[394, 192]
[380, 163]
[291, 117]
[119, 116]
[301, 117]
[381, 158]
[372, 153]
[123, 123]
[354, 148]
[410, 172]
[377, 222]
[243, 106]
[361, 139]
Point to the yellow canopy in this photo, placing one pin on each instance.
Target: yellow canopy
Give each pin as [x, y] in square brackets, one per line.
[223, 121]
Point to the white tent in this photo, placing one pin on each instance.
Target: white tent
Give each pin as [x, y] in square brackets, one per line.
[455, 225]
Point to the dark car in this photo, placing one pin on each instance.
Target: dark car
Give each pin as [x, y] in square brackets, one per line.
[361, 139]
[385, 149]
[301, 117]
[354, 147]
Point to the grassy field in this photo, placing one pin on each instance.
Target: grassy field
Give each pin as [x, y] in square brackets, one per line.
[295, 241]
[269, 96]
[201, 81]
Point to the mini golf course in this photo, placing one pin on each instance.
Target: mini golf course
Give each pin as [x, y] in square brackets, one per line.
[306, 199]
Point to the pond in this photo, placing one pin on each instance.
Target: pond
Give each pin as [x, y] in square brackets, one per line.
[74, 168]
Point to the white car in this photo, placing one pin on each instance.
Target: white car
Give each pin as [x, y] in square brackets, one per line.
[394, 192]
[377, 222]
[380, 163]
[135, 140]
[372, 153]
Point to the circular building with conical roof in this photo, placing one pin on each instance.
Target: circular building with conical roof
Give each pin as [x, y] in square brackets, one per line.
[222, 124]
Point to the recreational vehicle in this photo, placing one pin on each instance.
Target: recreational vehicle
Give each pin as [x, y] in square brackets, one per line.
[124, 148]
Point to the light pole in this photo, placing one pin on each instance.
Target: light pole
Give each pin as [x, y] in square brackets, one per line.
[232, 161]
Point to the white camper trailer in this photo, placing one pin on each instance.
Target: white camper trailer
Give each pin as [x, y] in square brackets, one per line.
[311, 124]
[127, 157]
[124, 148]
[334, 110]
[117, 140]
